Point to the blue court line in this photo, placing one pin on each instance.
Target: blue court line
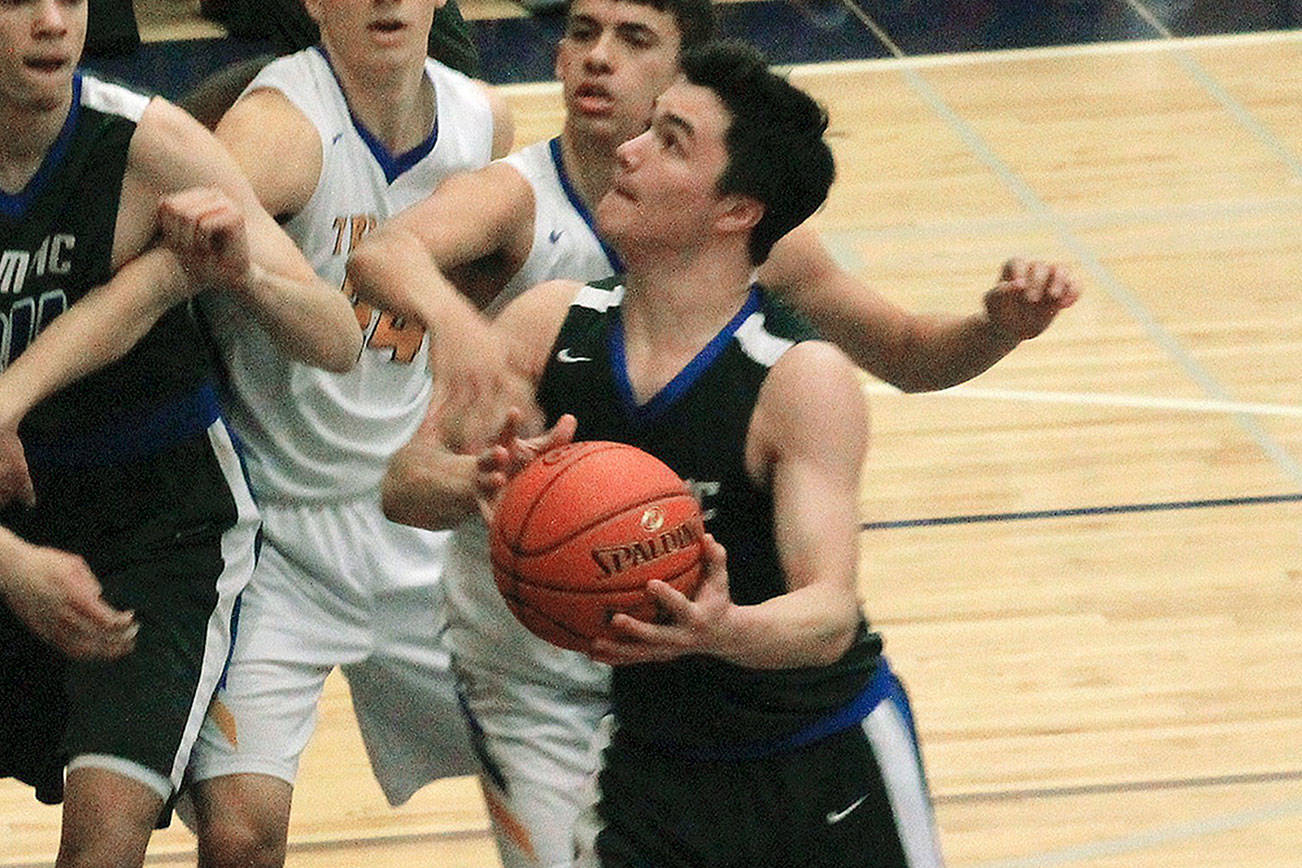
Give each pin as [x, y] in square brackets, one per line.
[1030, 515]
[1234, 780]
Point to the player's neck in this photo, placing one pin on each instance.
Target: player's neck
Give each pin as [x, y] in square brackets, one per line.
[30, 131]
[590, 164]
[675, 303]
[397, 108]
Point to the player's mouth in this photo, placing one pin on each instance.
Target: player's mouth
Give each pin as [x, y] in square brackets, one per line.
[387, 29]
[46, 65]
[593, 99]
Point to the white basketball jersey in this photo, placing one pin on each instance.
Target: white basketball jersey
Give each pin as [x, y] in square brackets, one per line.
[481, 628]
[309, 434]
[565, 242]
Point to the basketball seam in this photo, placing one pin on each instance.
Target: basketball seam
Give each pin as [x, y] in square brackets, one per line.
[523, 604]
[552, 545]
[519, 579]
[537, 498]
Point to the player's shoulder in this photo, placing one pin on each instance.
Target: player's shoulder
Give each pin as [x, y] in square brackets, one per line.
[815, 377]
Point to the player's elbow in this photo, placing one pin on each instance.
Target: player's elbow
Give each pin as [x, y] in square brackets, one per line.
[839, 630]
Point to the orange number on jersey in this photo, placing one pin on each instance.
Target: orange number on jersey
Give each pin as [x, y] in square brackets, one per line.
[395, 333]
[391, 332]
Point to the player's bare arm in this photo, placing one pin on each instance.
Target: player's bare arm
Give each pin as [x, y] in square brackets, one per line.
[813, 470]
[480, 216]
[503, 121]
[171, 152]
[430, 483]
[915, 352]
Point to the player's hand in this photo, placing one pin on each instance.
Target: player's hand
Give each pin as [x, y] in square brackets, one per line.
[500, 462]
[206, 230]
[57, 596]
[695, 626]
[15, 481]
[1028, 296]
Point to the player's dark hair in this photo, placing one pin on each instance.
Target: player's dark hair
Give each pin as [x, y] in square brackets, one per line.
[776, 151]
[695, 18]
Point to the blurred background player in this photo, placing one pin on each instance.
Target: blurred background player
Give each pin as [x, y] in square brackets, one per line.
[335, 139]
[134, 531]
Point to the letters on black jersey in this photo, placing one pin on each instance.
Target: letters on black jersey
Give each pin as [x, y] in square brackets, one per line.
[22, 320]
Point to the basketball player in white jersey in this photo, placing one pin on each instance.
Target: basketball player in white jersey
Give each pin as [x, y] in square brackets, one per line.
[536, 707]
[335, 139]
[119, 568]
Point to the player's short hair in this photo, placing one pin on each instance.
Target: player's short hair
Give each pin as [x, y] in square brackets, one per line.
[776, 151]
[695, 18]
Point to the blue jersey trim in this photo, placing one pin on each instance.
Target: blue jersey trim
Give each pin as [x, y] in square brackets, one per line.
[149, 432]
[684, 379]
[616, 264]
[392, 166]
[882, 687]
[15, 205]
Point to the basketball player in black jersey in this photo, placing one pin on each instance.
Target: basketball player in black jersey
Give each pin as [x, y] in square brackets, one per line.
[761, 724]
[123, 548]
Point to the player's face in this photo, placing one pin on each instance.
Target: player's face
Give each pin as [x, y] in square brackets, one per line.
[616, 56]
[40, 46]
[665, 188]
[364, 33]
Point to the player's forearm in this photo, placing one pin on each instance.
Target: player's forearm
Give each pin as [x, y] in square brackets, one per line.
[944, 351]
[392, 270]
[811, 626]
[429, 487]
[94, 332]
[307, 319]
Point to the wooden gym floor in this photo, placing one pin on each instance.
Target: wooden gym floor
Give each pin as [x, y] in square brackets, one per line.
[1087, 562]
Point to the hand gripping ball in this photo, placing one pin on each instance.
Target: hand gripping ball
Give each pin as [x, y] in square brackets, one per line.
[579, 532]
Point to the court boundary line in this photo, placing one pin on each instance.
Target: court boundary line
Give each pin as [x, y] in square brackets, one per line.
[1087, 219]
[1154, 837]
[1082, 511]
[1002, 55]
[1022, 191]
[1106, 789]
[1097, 399]
[1209, 83]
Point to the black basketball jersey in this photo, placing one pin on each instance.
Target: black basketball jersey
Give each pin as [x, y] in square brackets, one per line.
[56, 243]
[698, 426]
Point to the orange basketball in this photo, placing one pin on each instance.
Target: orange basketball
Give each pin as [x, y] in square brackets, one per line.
[580, 531]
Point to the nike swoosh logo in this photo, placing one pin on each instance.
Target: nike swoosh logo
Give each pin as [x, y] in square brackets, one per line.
[336, 139]
[834, 817]
[555, 235]
[566, 356]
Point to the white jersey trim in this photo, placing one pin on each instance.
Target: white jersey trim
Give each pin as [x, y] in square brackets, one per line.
[600, 300]
[761, 345]
[113, 99]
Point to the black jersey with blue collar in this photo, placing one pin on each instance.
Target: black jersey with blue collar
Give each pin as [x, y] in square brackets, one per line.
[56, 244]
[698, 425]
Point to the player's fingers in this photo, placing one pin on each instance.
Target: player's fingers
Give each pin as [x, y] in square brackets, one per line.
[562, 432]
[1014, 269]
[1037, 280]
[672, 601]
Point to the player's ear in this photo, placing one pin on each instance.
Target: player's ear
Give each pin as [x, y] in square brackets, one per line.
[738, 213]
[313, 8]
